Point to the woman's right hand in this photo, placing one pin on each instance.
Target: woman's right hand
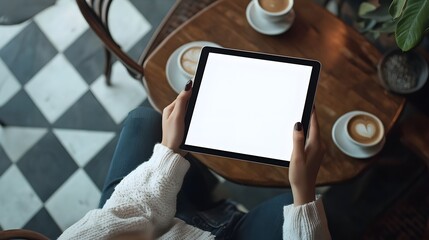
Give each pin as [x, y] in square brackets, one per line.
[305, 162]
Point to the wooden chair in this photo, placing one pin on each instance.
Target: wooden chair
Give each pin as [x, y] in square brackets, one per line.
[21, 234]
[96, 14]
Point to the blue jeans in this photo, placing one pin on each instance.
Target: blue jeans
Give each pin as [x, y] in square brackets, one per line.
[141, 131]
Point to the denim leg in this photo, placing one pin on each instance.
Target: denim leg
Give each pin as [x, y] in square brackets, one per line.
[197, 187]
[265, 221]
[141, 131]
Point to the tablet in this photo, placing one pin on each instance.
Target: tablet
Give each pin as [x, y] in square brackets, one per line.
[244, 105]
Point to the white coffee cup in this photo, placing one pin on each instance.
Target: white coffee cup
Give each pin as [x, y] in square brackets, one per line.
[273, 16]
[187, 60]
[364, 129]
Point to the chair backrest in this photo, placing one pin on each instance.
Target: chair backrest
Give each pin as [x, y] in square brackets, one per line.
[96, 13]
[21, 234]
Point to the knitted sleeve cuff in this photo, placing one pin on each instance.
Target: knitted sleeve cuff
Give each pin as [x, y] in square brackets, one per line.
[171, 165]
[306, 221]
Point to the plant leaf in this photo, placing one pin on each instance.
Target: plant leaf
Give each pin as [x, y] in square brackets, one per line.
[365, 8]
[396, 8]
[380, 14]
[412, 24]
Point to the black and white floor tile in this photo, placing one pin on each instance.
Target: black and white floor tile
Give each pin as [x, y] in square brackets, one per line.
[62, 119]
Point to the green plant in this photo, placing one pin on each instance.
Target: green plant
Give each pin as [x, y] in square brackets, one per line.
[408, 19]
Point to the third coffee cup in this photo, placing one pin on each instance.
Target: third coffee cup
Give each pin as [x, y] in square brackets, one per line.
[364, 129]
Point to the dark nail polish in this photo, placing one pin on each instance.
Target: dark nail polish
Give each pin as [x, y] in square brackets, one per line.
[314, 108]
[188, 85]
[298, 126]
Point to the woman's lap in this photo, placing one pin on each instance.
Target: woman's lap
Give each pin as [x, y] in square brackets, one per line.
[264, 221]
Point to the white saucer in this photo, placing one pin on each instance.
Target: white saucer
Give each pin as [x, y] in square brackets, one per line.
[346, 146]
[174, 77]
[267, 27]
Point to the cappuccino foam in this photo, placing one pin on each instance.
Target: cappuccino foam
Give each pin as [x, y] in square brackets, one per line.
[189, 59]
[274, 5]
[364, 129]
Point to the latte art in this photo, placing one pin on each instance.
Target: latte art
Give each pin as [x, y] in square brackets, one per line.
[189, 59]
[367, 131]
[364, 129]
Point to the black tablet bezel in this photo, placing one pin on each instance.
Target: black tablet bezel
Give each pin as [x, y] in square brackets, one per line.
[308, 106]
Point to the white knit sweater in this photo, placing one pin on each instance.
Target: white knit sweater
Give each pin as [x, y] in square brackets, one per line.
[145, 202]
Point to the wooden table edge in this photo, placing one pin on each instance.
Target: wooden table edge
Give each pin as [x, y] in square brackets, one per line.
[397, 115]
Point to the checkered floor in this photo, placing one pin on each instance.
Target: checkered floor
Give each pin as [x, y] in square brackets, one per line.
[63, 120]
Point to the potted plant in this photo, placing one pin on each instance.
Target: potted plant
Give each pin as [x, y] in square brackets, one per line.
[407, 21]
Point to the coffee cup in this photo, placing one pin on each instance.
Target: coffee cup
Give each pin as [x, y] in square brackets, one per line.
[188, 60]
[364, 129]
[273, 10]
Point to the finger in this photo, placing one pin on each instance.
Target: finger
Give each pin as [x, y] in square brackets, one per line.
[313, 134]
[298, 143]
[168, 110]
[182, 103]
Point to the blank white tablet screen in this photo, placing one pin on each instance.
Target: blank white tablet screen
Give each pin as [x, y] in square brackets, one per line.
[249, 106]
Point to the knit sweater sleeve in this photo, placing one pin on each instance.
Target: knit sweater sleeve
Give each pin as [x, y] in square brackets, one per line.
[307, 221]
[144, 202]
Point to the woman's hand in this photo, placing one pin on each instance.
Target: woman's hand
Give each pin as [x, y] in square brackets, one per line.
[173, 120]
[305, 162]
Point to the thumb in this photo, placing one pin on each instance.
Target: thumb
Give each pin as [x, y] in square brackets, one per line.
[298, 143]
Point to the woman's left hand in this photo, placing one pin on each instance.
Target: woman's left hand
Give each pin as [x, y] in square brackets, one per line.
[305, 162]
[173, 120]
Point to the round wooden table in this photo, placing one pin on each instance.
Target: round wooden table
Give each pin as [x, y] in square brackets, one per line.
[348, 80]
